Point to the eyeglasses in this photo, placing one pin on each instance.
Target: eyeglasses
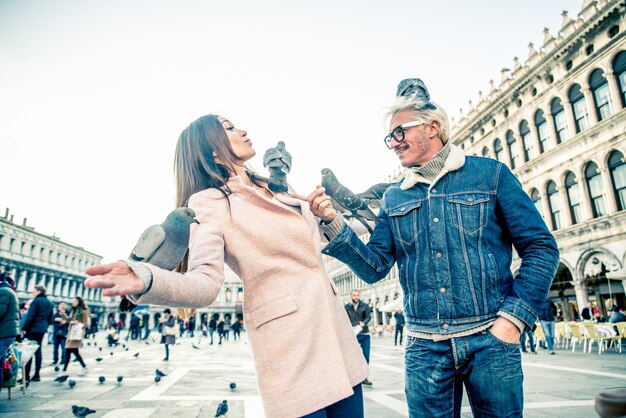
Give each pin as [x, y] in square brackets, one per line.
[398, 132]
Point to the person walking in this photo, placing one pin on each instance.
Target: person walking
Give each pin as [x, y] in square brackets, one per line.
[9, 313]
[168, 330]
[61, 324]
[192, 326]
[308, 362]
[399, 317]
[451, 225]
[547, 319]
[220, 330]
[79, 320]
[236, 327]
[360, 315]
[38, 318]
[528, 333]
[213, 326]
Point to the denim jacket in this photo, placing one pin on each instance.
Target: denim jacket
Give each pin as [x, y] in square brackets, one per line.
[453, 244]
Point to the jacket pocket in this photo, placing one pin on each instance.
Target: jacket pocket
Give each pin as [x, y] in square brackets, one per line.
[405, 222]
[469, 211]
[273, 310]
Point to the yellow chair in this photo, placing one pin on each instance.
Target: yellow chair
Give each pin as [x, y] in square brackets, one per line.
[539, 335]
[594, 335]
[613, 337]
[577, 335]
[561, 337]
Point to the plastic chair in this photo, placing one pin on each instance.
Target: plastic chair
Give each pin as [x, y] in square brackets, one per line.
[561, 337]
[613, 338]
[577, 335]
[594, 335]
[539, 335]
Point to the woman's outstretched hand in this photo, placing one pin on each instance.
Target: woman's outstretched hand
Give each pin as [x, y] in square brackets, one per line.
[321, 206]
[115, 278]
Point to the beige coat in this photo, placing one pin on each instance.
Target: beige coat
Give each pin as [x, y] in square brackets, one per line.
[85, 319]
[305, 351]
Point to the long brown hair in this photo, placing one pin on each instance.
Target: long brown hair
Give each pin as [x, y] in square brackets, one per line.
[196, 168]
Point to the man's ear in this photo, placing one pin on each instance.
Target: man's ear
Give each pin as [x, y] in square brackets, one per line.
[434, 129]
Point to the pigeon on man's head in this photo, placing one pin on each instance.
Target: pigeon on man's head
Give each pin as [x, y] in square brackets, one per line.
[72, 383]
[163, 245]
[81, 411]
[278, 162]
[416, 88]
[160, 373]
[344, 200]
[222, 409]
[61, 379]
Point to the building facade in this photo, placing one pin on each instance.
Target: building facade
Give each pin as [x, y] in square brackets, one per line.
[558, 120]
[32, 258]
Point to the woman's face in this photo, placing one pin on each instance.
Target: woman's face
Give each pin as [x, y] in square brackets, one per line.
[75, 302]
[239, 141]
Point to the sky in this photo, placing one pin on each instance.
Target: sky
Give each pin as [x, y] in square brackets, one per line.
[93, 94]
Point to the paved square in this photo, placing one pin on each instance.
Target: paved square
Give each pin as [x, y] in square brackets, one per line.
[198, 380]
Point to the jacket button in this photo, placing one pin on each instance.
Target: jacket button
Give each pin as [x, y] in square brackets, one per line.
[433, 190]
[442, 290]
[435, 220]
[446, 326]
[438, 255]
[470, 199]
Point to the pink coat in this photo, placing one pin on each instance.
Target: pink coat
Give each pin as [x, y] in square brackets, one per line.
[305, 351]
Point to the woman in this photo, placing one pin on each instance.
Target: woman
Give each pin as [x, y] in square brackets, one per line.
[79, 314]
[307, 359]
[168, 331]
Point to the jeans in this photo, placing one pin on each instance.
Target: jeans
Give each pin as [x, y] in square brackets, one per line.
[399, 329]
[38, 337]
[531, 341]
[211, 332]
[5, 343]
[548, 331]
[59, 342]
[167, 351]
[350, 407]
[490, 370]
[364, 341]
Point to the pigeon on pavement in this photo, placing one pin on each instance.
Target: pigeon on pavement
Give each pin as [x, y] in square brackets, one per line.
[278, 162]
[157, 379]
[222, 409]
[160, 373]
[98, 359]
[81, 411]
[101, 379]
[61, 378]
[136, 355]
[233, 386]
[119, 379]
[163, 245]
[344, 200]
[72, 383]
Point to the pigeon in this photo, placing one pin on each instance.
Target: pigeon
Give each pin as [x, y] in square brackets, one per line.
[415, 87]
[72, 383]
[88, 343]
[101, 379]
[345, 201]
[123, 345]
[195, 346]
[61, 379]
[373, 195]
[163, 245]
[157, 379]
[278, 162]
[126, 349]
[222, 409]
[56, 368]
[233, 386]
[95, 344]
[100, 348]
[160, 373]
[111, 353]
[136, 355]
[119, 379]
[81, 411]
[99, 359]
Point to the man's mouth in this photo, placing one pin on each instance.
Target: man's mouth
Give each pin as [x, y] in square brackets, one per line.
[400, 150]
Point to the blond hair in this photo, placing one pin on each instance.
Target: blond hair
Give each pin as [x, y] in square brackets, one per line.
[425, 111]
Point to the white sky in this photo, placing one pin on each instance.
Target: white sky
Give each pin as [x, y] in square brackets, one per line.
[93, 94]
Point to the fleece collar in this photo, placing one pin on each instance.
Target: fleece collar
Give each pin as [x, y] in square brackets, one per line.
[455, 160]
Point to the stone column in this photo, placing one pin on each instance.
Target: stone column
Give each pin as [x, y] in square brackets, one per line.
[585, 200]
[566, 214]
[591, 106]
[580, 287]
[552, 143]
[615, 99]
[571, 121]
[611, 203]
[547, 214]
[21, 284]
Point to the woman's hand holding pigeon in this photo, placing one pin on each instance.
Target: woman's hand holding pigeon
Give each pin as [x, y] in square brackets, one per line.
[321, 206]
[115, 278]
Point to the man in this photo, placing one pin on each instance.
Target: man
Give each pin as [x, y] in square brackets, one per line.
[213, 326]
[451, 225]
[36, 325]
[399, 326]
[61, 323]
[547, 319]
[587, 313]
[9, 322]
[360, 315]
[617, 316]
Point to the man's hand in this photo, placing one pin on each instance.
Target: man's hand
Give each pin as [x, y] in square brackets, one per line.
[362, 324]
[115, 278]
[505, 330]
[320, 205]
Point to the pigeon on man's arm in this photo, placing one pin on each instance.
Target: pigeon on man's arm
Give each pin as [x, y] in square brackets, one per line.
[163, 245]
[373, 195]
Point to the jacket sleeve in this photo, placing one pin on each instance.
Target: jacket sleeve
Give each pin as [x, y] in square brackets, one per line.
[368, 314]
[4, 303]
[525, 228]
[371, 261]
[30, 315]
[200, 285]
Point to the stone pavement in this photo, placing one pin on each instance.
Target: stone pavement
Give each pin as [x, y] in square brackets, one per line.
[198, 379]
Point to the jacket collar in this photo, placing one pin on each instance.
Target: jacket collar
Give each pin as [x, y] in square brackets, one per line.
[455, 160]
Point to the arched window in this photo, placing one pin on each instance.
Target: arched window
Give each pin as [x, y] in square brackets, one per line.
[555, 205]
[573, 196]
[619, 68]
[617, 168]
[486, 152]
[558, 114]
[542, 130]
[536, 198]
[498, 150]
[513, 149]
[600, 88]
[527, 141]
[579, 107]
[596, 190]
